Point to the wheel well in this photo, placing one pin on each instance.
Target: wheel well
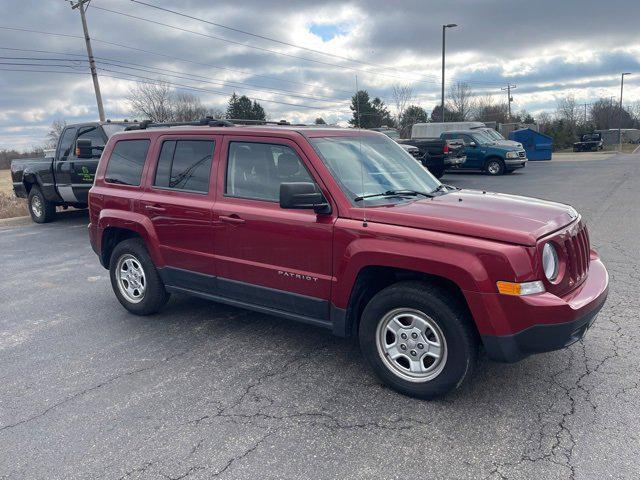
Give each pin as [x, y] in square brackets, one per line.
[373, 279]
[111, 237]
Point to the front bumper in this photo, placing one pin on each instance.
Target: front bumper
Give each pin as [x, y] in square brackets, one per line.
[554, 322]
[513, 163]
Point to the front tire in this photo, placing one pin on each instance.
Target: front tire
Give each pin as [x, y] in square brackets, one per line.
[135, 279]
[494, 167]
[418, 339]
[40, 209]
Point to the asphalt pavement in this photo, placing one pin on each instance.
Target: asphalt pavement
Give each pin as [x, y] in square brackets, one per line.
[203, 390]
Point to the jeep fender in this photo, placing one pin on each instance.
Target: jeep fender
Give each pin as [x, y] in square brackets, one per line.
[135, 222]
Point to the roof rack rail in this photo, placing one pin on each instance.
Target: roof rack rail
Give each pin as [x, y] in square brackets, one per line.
[207, 121]
[242, 121]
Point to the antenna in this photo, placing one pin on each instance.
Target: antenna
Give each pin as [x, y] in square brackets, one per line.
[364, 200]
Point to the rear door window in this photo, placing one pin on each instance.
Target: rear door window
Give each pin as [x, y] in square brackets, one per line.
[126, 162]
[185, 165]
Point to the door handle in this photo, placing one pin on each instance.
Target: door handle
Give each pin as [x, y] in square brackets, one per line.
[232, 219]
[155, 208]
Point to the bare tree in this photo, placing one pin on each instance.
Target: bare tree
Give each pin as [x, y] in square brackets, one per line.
[152, 100]
[568, 110]
[486, 110]
[186, 107]
[57, 126]
[461, 100]
[402, 96]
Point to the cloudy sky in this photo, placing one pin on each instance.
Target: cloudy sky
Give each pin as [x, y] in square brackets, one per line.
[303, 56]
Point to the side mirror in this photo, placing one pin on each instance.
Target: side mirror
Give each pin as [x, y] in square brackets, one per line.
[303, 196]
[473, 144]
[83, 148]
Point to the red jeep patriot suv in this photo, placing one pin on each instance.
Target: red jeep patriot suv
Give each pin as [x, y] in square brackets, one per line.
[343, 229]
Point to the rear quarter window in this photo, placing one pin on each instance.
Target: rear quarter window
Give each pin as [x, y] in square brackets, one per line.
[126, 162]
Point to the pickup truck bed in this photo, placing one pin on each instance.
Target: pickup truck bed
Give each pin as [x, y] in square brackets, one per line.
[438, 155]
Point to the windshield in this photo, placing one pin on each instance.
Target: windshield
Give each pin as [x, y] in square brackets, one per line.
[369, 165]
[393, 134]
[483, 137]
[494, 134]
[111, 128]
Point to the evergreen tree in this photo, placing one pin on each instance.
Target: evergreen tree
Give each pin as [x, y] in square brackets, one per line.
[411, 115]
[241, 108]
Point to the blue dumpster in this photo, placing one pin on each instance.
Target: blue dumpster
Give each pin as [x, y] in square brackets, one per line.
[537, 145]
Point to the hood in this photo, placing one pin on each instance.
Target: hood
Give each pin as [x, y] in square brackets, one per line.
[510, 143]
[495, 216]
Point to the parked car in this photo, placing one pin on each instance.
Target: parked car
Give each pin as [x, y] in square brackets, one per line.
[434, 154]
[63, 176]
[341, 229]
[589, 142]
[487, 155]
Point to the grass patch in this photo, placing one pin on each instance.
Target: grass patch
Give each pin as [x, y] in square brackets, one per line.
[10, 205]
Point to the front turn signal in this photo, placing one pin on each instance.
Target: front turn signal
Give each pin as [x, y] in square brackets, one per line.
[528, 288]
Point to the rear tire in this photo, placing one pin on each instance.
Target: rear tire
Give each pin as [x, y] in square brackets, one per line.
[40, 209]
[494, 167]
[418, 339]
[135, 279]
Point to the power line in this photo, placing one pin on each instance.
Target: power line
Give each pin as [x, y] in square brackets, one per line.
[164, 55]
[186, 76]
[275, 52]
[264, 37]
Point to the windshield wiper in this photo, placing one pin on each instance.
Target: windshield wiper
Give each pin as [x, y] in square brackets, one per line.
[443, 186]
[394, 193]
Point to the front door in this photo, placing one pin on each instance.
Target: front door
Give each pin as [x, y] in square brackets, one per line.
[178, 199]
[74, 176]
[265, 255]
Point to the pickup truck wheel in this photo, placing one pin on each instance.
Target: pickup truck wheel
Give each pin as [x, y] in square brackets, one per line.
[41, 210]
[418, 339]
[135, 279]
[494, 166]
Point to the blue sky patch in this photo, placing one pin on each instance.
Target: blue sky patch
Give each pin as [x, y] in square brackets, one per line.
[326, 31]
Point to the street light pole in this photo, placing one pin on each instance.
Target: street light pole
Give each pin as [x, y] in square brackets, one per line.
[620, 112]
[444, 27]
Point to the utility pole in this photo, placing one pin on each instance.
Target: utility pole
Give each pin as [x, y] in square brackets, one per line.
[82, 5]
[508, 89]
[444, 27]
[620, 112]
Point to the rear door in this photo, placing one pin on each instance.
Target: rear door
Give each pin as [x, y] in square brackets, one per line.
[61, 168]
[265, 255]
[178, 199]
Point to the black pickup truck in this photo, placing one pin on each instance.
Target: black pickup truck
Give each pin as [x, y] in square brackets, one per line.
[589, 142]
[435, 154]
[438, 155]
[65, 178]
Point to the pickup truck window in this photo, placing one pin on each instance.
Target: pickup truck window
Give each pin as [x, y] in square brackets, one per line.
[185, 165]
[256, 170]
[376, 163]
[66, 143]
[126, 162]
[111, 128]
[97, 139]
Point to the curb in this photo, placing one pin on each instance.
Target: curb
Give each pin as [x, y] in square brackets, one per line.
[15, 221]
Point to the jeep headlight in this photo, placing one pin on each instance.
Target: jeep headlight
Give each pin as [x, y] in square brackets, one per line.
[550, 262]
[512, 154]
